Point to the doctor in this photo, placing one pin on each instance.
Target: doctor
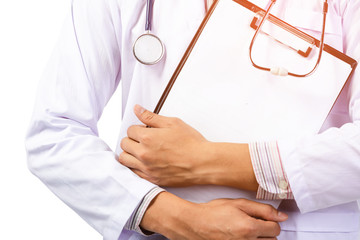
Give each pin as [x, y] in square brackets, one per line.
[319, 175]
[312, 171]
[95, 54]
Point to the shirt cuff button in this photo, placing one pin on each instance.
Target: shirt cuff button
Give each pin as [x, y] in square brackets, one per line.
[283, 185]
[282, 195]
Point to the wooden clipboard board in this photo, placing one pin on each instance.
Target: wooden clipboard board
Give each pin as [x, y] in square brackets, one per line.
[217, 91]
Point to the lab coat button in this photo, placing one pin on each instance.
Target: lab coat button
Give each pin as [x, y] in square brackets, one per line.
[282, 195]
[283, 185]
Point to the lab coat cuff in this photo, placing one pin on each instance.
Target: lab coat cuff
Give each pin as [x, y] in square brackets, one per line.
[269, 172]
[135, 220]
[293, 167]
[116, 225]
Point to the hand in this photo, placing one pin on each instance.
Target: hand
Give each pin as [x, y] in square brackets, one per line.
[238, 219]
[171, 153]
[167, 154]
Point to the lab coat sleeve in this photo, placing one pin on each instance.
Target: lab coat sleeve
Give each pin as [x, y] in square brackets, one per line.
[62, 142]
[324, 170]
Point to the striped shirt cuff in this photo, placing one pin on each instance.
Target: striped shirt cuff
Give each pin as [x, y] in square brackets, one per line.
[269, 172]
[133, 223]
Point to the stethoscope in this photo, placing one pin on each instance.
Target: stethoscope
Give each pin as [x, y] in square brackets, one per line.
[281, 71]
[148, 48]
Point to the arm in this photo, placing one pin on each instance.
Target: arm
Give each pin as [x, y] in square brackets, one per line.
[330, 159]
[62, 143]
[65, 152]
[319, 159]
[171, 153]
[176, 218]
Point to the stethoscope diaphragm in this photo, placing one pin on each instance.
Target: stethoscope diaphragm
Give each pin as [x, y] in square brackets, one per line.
[148, 49]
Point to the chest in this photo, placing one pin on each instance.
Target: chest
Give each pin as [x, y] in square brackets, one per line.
[176, 21]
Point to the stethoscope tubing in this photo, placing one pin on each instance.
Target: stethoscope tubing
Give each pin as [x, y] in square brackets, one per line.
[149, 10]
[321, 46]
[148, 25]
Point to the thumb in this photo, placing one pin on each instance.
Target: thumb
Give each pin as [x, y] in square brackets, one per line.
[149, 118]
[262, 211]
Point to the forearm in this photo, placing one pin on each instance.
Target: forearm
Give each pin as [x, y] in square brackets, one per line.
[319, 167]
[176, 219]
[75, 175]
[186, 158]
[229, 164]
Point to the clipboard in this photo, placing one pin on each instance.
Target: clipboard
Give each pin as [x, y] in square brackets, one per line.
[216, 90]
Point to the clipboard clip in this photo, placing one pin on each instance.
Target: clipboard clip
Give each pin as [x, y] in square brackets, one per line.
[290, 29]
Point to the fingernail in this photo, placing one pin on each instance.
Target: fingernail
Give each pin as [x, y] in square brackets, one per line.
[139, 109]
[282, 216]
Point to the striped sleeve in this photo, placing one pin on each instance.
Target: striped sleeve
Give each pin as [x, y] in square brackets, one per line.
[133, 223]
[269, 171]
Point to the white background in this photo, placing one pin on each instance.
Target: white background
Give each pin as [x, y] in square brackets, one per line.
[28, 32]
[28, 210]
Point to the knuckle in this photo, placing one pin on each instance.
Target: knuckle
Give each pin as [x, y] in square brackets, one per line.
[145, 138]
[147, 116]
[277, 229]
[144, 155]
[239, 203]
[123, 143]
[249, 229]
[268, 210]
[122, 159]
[129, 130]
[122, 155]
[177, 120]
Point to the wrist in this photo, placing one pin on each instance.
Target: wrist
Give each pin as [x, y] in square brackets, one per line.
[165, 215]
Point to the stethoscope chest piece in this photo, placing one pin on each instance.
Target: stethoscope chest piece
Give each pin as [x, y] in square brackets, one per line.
[148, 49]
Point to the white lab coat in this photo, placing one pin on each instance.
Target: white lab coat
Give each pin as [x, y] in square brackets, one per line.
[94, 55]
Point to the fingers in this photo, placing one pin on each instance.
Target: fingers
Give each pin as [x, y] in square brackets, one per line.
[130, 146]
[130, 161]
[134, 165]
[136, 132]
[267, 229]
[149, 118]
[260, 210]
[141, 174]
